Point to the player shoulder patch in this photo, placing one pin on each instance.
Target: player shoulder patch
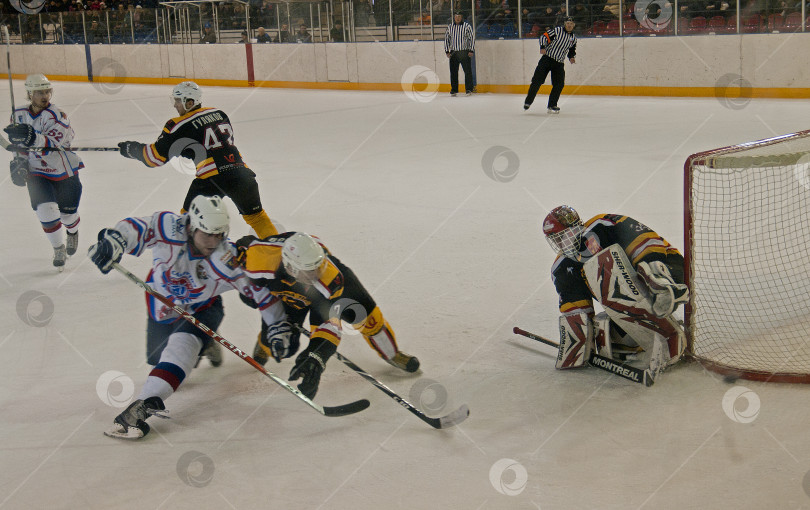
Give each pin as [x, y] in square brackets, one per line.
[229, 258]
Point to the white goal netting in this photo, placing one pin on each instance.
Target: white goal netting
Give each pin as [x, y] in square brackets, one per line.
[748, 257]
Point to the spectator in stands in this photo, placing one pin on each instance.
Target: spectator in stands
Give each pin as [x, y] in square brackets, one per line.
[303, 35]
[97, 33]
[581, 16]
[243, 38]
[208, 36]
[262, 36]
[547, 18]
[336, 34]
[562, 14]
[284, 34]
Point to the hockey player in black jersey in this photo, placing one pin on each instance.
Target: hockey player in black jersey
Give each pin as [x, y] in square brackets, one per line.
[309, 280]
[634, 273]
[205, 135]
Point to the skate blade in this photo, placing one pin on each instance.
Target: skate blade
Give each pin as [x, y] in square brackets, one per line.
[131, 434]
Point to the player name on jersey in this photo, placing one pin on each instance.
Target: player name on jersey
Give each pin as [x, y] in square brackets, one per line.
[207, 119]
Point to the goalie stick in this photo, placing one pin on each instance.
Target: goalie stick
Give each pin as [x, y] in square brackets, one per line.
[624, 370]
[8, 67]
[342, 410]
[454, 418]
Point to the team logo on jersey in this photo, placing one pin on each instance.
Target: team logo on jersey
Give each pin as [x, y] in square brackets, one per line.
[592, 242]
[181, 287]
[28, 6]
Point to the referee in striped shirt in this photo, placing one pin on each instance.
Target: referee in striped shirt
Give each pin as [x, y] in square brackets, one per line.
[555, 46]
[459, 45]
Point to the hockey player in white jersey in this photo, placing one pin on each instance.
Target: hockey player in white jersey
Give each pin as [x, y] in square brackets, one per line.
[52, 177]
[193, 263]
[633, 272]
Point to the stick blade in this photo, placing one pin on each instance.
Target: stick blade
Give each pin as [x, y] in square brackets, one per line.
[346, 409]
[454, 418]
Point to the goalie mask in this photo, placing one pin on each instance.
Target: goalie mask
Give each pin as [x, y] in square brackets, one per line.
[209, 215]
[303, 258]
[188, 90]
[563, 230]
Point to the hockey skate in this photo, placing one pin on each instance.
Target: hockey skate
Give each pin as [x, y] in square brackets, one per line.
[59, 257]
[72, 243]
[526, 106]
[261, 353]
[404, 362]
[214, 354]
[553, 109]
[130, 424]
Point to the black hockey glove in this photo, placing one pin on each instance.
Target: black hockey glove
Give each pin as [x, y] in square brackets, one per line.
[281, 339]
[109, 248]
[21, 134]
[310, 364]
[131, 150]
[19, 170]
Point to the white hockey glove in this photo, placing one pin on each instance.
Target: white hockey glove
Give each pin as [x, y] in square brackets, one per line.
[109, 248]
[666, 293]
[281, 339]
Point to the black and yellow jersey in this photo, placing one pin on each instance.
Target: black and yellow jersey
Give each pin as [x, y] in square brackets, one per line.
[204, 135]
[640, 243]
[263, 265]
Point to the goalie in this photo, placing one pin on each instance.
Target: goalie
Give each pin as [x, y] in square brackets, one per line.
[637, 277]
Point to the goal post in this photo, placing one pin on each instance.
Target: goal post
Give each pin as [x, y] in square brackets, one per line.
[747, 258]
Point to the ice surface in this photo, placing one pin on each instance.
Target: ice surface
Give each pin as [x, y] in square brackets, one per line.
[396, 188]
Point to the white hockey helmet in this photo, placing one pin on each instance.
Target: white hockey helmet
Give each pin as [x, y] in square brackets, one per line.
[210, 215]
[563, 229]
[303, 257]
[185, 91]
[35, 82]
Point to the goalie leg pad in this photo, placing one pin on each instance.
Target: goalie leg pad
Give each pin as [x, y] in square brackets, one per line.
[576, 340]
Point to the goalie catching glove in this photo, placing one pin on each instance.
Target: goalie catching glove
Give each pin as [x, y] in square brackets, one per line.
[109, 248]
[281, 339]
[19, 171]
[667, 294]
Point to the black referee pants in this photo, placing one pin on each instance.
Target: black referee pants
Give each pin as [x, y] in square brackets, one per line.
[463, 58]
[557, 69]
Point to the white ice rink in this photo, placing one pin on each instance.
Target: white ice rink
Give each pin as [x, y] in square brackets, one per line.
[396, 188]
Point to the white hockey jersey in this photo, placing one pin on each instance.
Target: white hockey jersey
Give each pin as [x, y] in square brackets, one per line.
[53, 130]
[191, 282]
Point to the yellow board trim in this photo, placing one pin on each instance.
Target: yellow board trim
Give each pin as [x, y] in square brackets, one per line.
[585, 90]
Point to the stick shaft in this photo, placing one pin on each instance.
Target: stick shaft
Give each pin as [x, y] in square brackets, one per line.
[516, 330]
[8, 66]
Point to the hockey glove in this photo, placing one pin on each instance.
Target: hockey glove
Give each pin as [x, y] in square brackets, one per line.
[19, 171]
[110, 248]
[131, 150]
[281, 340]
[310, 364]
[21, 134]
[667, 294]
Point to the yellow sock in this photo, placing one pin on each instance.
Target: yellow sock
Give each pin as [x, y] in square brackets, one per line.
[260, 222]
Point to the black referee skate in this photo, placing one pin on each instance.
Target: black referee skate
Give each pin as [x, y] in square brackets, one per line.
[130, 424]
[553, 109]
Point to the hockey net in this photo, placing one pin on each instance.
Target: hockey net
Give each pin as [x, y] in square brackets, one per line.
[747, 251]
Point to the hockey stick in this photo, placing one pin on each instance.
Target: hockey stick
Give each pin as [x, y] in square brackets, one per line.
[342, 410]
[8, 66]
[454, 418]
[624, 370]
[16, 148]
